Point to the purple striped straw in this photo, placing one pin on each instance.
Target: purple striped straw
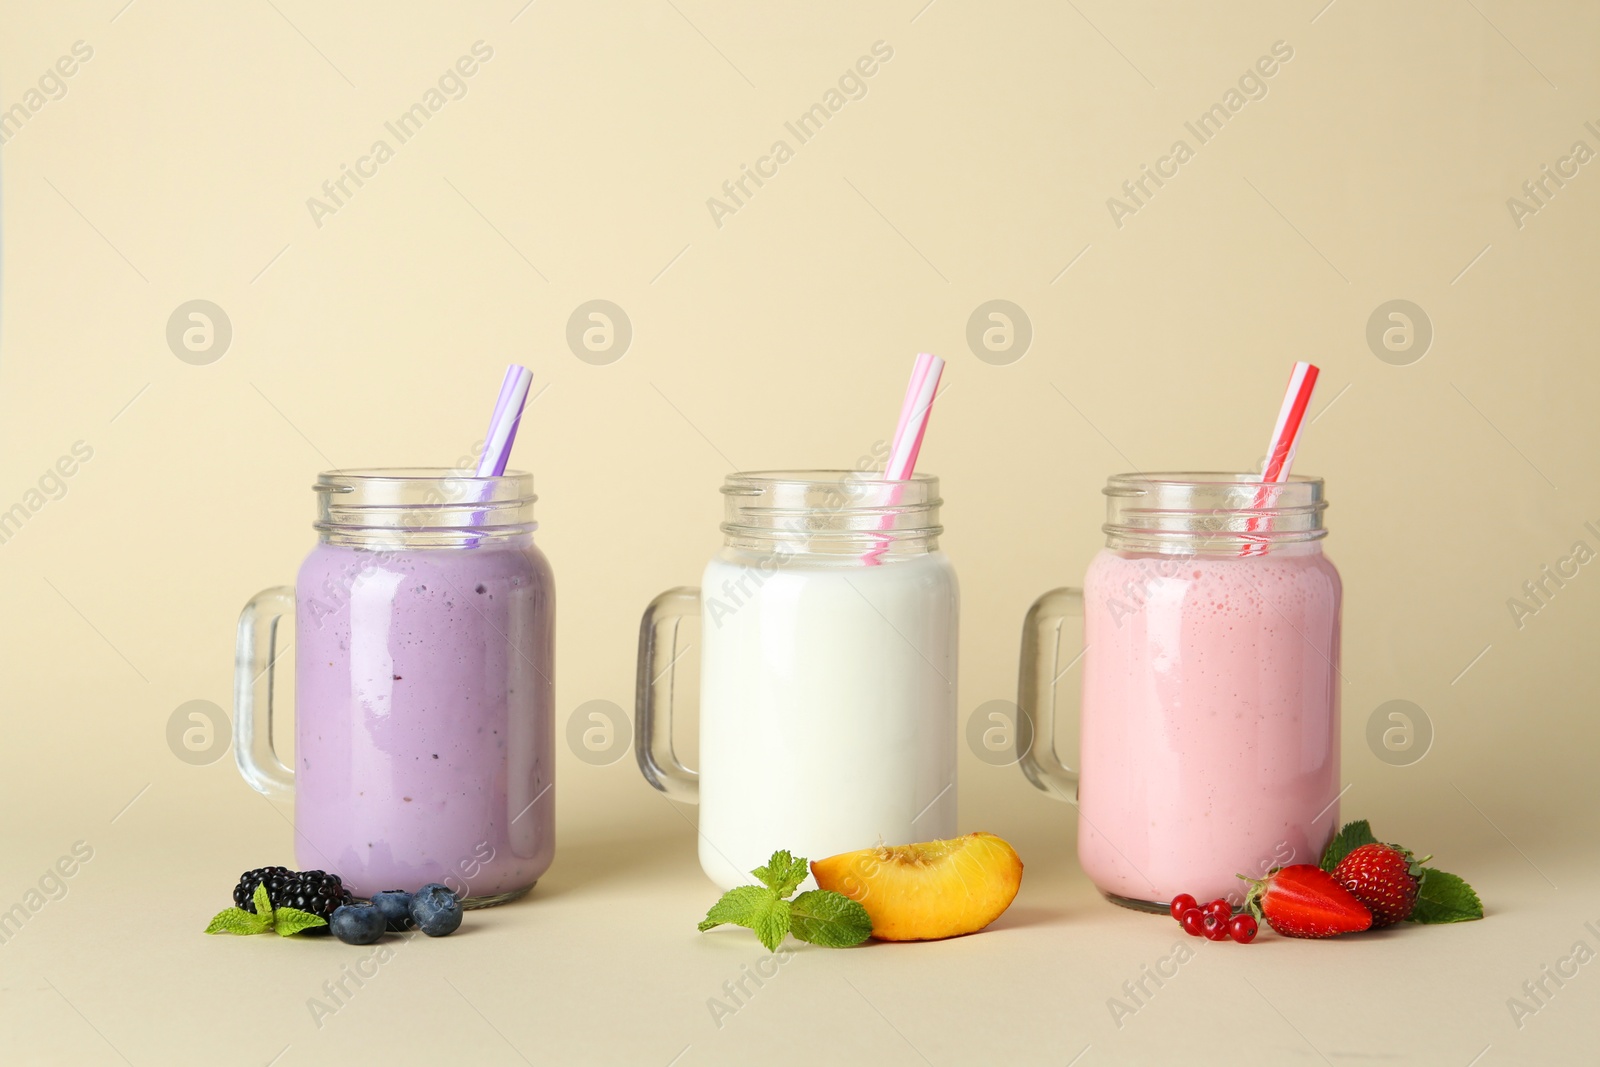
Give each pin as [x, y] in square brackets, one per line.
[503, 426]
[505, 422]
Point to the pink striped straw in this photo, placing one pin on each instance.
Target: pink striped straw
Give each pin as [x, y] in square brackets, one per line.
[1280, 452]
[903, 450]
[920, 391]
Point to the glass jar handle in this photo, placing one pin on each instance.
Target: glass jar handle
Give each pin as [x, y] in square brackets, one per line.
[658, 658]
[1041, 670]
[255, 656]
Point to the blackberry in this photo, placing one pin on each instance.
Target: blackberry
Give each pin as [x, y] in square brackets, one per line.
[275, 879]
[314, 891]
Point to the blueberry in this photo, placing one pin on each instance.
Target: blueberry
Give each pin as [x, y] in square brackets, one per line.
[357, 924]
[395, 907]
[436, 910]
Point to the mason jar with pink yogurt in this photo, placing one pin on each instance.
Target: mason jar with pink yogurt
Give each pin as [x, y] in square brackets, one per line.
[1209, 678]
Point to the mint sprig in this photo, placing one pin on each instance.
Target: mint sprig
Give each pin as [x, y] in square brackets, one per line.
[285, 922]
[819, 916]
[1441, 897]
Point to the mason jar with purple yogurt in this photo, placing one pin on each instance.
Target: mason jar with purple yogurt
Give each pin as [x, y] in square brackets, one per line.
[424, 735]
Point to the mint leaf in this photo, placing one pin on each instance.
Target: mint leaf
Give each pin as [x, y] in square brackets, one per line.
[263, 903]
[831, 919]
[235, 921]
[1353, 836]
[756, 907]
[783, 873]
[819, 916]
[739, 906]
[1445, 898]
[771, 925]
[289, 921]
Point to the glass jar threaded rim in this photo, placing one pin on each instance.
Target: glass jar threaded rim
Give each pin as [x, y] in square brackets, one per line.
[420, 507]
[831, 512]
[1211, 512]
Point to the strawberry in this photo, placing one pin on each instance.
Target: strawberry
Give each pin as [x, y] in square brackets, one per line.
[1305, 901]
[1384, 878]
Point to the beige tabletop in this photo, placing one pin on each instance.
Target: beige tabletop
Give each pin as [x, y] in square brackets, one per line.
[602, 963]
[1400, 193]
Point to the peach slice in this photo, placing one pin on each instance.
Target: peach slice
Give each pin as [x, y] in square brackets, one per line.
[930, 890]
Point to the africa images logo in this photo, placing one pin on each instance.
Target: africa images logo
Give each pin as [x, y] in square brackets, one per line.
[852, 85]
[451, 85]
[1252, 85]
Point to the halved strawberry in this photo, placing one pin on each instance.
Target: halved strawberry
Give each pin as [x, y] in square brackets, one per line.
[1384, 878]
[1305, 901]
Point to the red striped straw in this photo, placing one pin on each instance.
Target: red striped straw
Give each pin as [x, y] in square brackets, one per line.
[1280, 453]
[920, 393]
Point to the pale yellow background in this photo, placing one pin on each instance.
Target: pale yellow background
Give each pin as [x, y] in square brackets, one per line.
[977, 167]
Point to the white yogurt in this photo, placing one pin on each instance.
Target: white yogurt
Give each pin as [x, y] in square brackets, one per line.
[827, 708]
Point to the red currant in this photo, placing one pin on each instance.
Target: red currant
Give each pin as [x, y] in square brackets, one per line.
[1219, 909]
[1215, 929]
[1193, 922]
[1182, 903]
[1242, 928]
